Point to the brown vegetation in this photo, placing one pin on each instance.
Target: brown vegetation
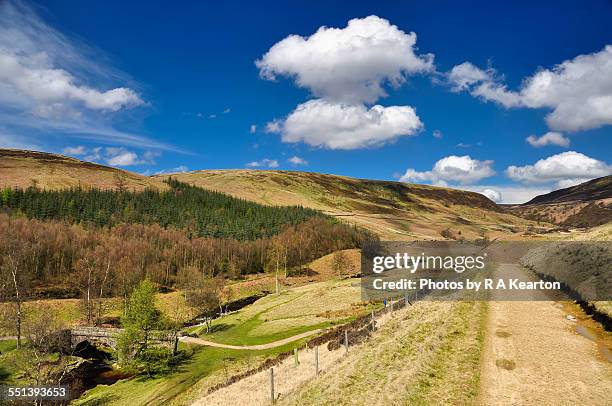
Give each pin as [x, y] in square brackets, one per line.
[19, 168]
[393, 210]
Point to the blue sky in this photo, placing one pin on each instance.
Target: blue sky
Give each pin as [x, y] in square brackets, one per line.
[445, 94]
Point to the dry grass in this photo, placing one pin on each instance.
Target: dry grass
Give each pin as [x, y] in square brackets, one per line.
[392, 210]
[424, 354]
[25, 168]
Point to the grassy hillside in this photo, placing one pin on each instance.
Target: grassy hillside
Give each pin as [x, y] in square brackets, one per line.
[19, 168]
[596, 189]
[588, 204]
[393, 210]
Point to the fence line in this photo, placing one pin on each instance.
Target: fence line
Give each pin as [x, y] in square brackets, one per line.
[346, 335]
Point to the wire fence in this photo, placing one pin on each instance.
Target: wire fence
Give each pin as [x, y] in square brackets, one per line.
[287, 370]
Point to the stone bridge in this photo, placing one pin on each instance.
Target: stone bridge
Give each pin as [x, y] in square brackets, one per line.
[108, 336]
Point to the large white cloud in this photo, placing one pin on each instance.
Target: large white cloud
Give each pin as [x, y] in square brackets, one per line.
[322, 123]
[578, 91]
[565, 169]
[462, 169]
[349, 64]
[347, 69]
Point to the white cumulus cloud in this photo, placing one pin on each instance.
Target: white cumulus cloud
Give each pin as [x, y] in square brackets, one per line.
[578, 91]
[462, 169]
[494, 195]
[550, 138]
[125, 158]
[349, 64]
[565, 169]
[348, 69]
[322, 123]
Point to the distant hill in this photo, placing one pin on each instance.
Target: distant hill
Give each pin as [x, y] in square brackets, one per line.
[588, 204]
[596, 189]
[20, 168]
[393, 210]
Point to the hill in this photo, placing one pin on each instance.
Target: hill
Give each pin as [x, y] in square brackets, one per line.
[393, 210]
[596, 189]
[199, 211]
[20, 168]
[588, 204]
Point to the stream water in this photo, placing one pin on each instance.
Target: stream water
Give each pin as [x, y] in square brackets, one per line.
[590, 329]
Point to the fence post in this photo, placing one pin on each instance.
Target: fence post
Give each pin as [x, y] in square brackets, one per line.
[295, 356]
[316, 360]
[372, 320]
[346, 340]
[391, 305]
[406, 302]
[272, 385]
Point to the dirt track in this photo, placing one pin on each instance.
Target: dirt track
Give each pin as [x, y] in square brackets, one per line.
[267, 346]
[532, 356]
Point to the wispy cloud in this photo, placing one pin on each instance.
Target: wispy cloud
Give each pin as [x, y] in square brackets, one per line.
[50, 82]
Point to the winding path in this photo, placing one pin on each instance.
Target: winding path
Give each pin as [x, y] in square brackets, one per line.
[267, 346]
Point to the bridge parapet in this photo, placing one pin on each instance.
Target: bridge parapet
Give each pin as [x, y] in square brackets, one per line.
[108, 336]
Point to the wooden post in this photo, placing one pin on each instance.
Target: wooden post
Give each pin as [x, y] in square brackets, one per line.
[346, 340]
[316, 360]
[295, 356]
[391, 305]
[272, 385]
[406, 302]
[372, 320]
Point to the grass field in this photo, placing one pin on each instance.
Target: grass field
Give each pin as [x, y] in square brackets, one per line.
[207, 367]
[269, 319]
[294, 311]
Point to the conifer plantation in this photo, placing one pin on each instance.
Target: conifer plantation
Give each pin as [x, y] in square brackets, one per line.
[200, 212]
[107, 241]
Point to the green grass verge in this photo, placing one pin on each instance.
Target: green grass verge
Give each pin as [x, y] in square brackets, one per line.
[190, 380]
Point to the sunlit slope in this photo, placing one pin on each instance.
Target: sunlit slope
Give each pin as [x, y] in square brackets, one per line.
[20, 168]
[588, 204]
[394, 210]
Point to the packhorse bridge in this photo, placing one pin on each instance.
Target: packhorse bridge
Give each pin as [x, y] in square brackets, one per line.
[108, 336]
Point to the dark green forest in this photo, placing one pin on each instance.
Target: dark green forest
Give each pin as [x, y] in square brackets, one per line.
[202, 213]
